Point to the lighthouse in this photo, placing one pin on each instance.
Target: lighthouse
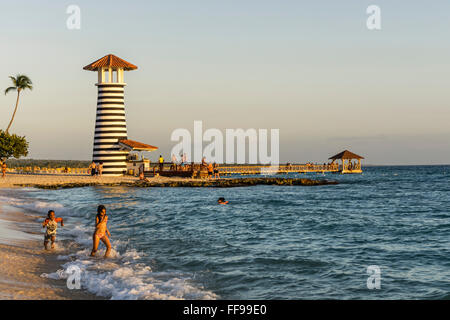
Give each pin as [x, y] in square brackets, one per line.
[111, 144]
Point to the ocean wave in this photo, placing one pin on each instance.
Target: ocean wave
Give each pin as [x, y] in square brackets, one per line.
[124, 275]
[119, 278]
[35, 206]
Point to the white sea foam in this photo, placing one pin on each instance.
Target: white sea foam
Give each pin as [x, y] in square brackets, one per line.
[34, 206]
[124, 275]
[114, 280]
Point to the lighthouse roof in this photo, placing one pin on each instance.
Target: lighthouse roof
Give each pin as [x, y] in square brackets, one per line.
[112, 61]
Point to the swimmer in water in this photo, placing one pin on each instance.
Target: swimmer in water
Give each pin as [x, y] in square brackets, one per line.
[101, 231]
[222, 201]
[52, 224]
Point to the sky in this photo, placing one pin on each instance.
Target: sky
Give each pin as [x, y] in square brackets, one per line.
[311, 69]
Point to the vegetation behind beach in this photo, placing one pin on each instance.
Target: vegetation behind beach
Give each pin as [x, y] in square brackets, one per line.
[17, 163]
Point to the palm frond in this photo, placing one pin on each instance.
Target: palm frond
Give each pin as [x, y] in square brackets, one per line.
[14, 80]
[10, 89]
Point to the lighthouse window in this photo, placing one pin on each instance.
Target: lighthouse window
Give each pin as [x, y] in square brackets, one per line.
[106, 75]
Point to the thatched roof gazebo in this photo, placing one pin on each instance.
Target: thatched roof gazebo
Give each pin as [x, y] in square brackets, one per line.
[347, 164]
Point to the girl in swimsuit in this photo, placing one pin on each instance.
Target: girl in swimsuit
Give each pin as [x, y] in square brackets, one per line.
[101, 231]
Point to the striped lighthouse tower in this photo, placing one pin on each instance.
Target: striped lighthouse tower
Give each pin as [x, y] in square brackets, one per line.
[110, 122]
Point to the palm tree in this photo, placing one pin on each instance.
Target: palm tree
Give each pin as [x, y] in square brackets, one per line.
[20, 82]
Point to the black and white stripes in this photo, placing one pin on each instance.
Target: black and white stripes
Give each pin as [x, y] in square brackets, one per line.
[110, 127]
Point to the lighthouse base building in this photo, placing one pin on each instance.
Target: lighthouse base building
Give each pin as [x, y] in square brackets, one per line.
[112, 147]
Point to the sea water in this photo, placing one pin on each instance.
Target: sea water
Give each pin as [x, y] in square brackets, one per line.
[269, 242]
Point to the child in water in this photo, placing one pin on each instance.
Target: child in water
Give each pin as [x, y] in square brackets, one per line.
[52, 224]
[101, 231]
[222, 201]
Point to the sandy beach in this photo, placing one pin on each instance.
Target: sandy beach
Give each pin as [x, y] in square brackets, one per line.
[19, 180]
[41, 180]
[23, 260]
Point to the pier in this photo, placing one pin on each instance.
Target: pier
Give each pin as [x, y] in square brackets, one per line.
[198, 170]
[281, 169]
[350, 163]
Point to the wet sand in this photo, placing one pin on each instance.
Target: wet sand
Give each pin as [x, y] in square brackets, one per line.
[23, 260]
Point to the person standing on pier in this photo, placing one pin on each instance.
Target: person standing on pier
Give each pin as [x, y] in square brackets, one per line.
[4, 166]
[100, 169]
[93, 169]
[174, 162]
[210, 170]
[141, 172]
[216, 171]
[183, 161]
[161, 163]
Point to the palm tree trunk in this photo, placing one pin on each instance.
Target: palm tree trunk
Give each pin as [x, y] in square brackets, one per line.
[15, 109]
